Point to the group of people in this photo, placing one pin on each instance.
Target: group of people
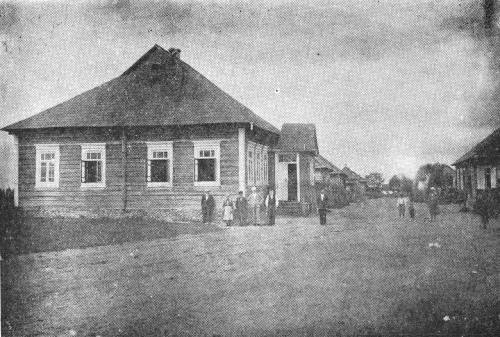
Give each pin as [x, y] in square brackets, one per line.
[243, 211]
[404, 202]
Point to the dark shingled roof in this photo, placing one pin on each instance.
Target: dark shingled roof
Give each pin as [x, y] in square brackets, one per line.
[323, 163]
[351, 175]
[488, 148]
[298, 137]
[159, 89]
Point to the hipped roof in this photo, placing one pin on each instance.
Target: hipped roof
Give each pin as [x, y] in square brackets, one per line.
[298, 137]
[488, 148]
[323, 163]
[159, 89]
[351, 174]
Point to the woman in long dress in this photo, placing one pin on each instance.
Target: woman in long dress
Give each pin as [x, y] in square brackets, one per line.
[228, 208]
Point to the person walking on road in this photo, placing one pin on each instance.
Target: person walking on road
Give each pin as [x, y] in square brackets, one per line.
[411, 209]
[322, 207]
[433, 205]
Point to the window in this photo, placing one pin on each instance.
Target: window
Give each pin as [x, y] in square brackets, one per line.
[250, 166]
[287, 158]
[311, 171]
[266, 166]
[487, 177]
[159, 171]
[258, 166]
[207, 163]
[47, 165]
[93, 165]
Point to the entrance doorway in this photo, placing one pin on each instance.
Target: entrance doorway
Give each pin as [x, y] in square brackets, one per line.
[292, 182]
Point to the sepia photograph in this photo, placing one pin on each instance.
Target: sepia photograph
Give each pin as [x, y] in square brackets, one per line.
[249, 168]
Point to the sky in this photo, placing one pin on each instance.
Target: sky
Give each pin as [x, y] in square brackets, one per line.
[391, 85]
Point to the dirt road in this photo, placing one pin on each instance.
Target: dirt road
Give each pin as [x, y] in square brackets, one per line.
[365, 272]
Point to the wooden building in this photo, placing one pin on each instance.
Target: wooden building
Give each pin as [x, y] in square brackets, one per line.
[296, 150]
[327, 173]
[153, 138]
[355, 184]
[479, 169]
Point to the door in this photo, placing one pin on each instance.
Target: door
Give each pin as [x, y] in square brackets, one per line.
[292, 182]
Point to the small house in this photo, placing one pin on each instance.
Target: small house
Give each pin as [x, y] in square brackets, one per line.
[355, 184]
[479, 168]
[154, 139]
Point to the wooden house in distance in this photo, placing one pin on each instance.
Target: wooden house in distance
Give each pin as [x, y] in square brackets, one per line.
[355, 184]
[328, 173]
[479, 169]
[154, 138]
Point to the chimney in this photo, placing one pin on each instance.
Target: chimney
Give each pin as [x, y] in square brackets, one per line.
[175, 52]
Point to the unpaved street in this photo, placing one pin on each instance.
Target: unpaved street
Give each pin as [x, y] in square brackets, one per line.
[364, 272]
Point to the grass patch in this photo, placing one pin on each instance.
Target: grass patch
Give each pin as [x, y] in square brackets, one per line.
[29, 234]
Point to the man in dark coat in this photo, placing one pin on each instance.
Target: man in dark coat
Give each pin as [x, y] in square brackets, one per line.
[322, 207]
[207, 207]
[241, 210]
[270, 203]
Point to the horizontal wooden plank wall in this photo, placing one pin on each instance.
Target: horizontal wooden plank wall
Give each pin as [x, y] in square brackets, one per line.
[307, 189]
[182, 197]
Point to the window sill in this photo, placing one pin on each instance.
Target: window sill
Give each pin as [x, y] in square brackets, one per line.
[207, 183]
[46, 187]
[90, 186]
[159, 185]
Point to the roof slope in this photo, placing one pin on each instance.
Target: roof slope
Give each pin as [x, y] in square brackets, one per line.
[323, 163]
[298, 137]
[351, 174]
[159, 89]
[487, 148]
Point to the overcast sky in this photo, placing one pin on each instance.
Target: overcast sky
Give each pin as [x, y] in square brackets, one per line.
[389, 84]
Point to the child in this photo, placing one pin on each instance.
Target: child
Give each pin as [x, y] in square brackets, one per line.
[411, 209]
[227, 208]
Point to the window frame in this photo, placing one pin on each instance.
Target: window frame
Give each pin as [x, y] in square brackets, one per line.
[206, 145]
[265, 162]
[43, 149]
[94, 148]
[251, 164]
[160, 147]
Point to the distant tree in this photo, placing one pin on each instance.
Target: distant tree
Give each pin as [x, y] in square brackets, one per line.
[395, 183]
[406, 185]
[401, 183]
[434, 175]
[375, 180]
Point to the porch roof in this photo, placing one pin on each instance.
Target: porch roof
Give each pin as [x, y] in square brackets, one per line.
[298, 137]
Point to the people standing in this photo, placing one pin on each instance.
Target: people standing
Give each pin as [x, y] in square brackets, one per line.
[207, 207]
[254, 202]
[270, 203]
[401, 205]
[228, 208]
[241, 209]
[322, 207]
